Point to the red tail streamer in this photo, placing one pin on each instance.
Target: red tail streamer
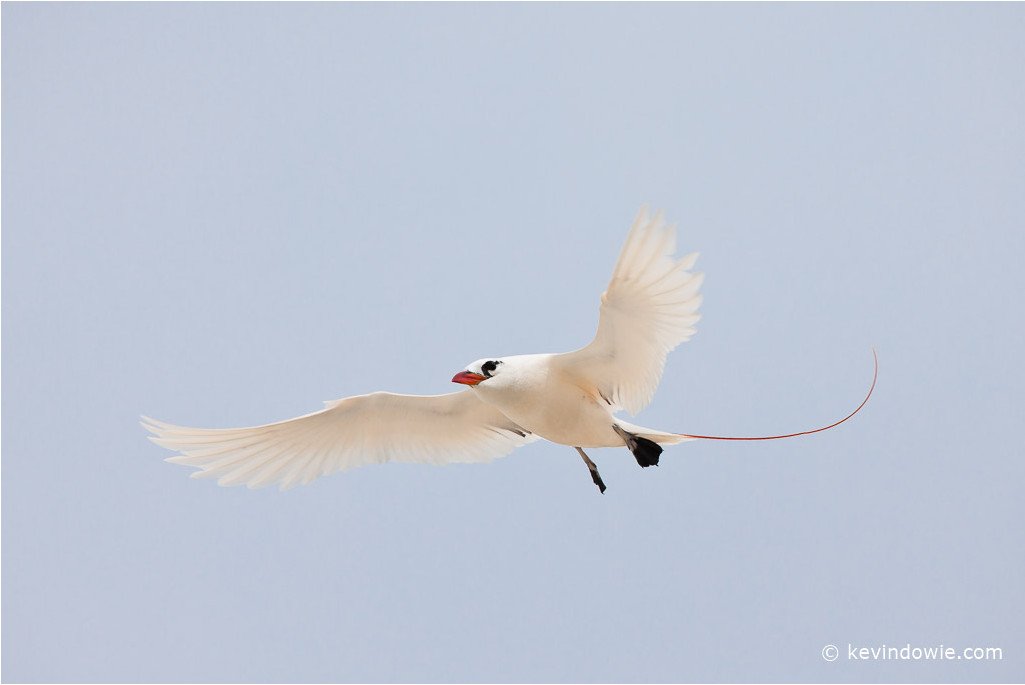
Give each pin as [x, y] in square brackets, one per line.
[875, 374]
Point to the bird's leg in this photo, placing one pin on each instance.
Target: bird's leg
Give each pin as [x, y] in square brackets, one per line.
[645, 451]
[595, 476]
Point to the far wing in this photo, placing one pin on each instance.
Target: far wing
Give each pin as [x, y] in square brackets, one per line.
[649, 307]
[366, 429]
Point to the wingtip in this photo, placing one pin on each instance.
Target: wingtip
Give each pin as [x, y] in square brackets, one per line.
[155, 426]
[151, 428]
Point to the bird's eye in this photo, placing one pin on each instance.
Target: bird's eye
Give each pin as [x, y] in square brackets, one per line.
[487, 368]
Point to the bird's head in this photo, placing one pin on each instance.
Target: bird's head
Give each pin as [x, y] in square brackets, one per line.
[478, 372]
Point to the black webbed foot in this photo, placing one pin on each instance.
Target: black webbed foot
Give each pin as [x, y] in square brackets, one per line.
[645, 451]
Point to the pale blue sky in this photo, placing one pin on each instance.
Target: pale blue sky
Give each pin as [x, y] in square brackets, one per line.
[224, 214]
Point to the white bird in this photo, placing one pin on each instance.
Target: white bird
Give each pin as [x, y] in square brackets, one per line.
[649, 307]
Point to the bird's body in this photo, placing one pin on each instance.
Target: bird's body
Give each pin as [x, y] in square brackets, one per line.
[649, 307]
[532, 393]
[547, 399]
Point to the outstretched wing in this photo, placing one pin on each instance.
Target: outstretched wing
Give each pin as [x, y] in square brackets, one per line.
[649, 307]
[366, 429]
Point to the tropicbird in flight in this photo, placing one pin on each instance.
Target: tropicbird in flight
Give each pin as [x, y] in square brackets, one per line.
[649, 307]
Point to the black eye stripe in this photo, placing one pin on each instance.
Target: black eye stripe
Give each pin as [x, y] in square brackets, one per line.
[487, 367]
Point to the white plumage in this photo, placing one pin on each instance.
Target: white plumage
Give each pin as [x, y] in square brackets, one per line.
[355, 431]
[649, 307]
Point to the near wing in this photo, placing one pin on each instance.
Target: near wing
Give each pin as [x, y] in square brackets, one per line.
[366, 429]
[649, 307]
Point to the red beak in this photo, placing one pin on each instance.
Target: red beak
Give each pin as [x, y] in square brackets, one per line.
[467, 378]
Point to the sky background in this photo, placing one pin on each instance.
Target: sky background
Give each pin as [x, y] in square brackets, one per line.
[221, 215]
